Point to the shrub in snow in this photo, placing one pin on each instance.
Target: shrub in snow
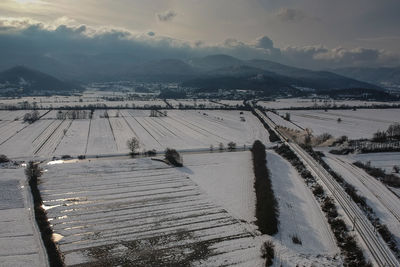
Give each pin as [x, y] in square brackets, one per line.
[267, 252]
[296, 240]
[173, 157]
[318, 190]
[151, 152]
[4, 159]
[231, 146]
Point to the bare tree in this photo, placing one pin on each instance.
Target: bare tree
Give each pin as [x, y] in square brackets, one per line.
[133, 145]
[231, 146]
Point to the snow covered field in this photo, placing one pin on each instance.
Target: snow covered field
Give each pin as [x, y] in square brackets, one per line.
[362, 123]
[142, 212]
[76, 101]
[19, 241]
[102, 135]
[384, 203]
[384, 161]
[285, 103]
[299, 215]
[227, 178]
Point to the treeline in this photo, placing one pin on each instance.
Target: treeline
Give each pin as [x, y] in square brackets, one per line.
[353, 255]
[127, 106]
[266, 206]
[343, 107]
[360, 201]
[378, 173]
[33, 172]
[74, 114]
[31, 117]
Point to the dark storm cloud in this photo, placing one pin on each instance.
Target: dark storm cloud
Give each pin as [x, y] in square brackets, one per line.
[43, 46]
[166, 16]
[290, 15]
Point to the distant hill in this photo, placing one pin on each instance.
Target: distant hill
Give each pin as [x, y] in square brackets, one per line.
[162, 70]
[209, 71]
[24, 81]
[223, 65]
[243, 77]
[379, 76]
[319, 80]
[214, 62]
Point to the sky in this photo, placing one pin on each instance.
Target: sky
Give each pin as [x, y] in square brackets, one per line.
[315, 34]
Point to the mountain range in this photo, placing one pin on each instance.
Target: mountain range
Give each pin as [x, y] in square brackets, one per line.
[21, 80]
[381, 76]
[206, 73]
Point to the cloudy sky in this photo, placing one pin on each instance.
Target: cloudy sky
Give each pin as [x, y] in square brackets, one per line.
[307, 33]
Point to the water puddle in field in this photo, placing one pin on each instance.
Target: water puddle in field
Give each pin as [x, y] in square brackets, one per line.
[55, 162]
[49, 207]
[57, 237]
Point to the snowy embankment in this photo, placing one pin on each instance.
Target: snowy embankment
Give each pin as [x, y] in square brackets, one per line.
[384, 203]
[20, 241]
[278, 120]
[139, 211]
[300, 216]
[362, 123]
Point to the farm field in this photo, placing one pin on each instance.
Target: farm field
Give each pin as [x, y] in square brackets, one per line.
[384, 161]
[362, 123]
[20, 243]
[75, 101]
[141, 212]
[108, 131]
[285, 103]
[227, 178]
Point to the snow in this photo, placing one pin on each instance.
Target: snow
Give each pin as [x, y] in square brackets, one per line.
[383, 202]
[104, 136]
[227, 178]
[362, 123]
[384, 160]
[75, 139]
[286, 103]
[277, 119]
[299, 215]
[19, 241]
[125, 209]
